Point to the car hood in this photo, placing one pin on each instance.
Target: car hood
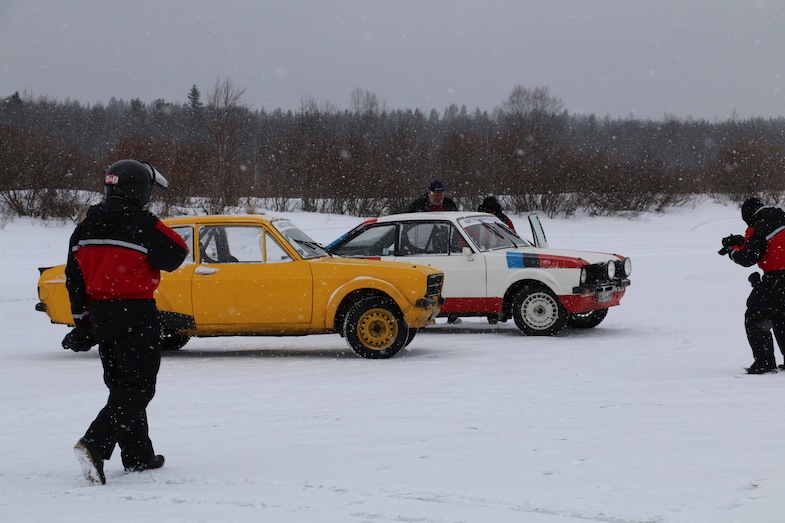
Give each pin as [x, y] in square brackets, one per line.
[566, 255]
[371, 265]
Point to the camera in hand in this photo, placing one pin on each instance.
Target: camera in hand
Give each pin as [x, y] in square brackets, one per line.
[732, 240]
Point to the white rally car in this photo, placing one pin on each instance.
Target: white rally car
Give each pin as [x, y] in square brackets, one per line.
[491, 271]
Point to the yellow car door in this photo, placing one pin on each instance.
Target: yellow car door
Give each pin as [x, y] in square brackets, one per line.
[246, 277]
[174, 292]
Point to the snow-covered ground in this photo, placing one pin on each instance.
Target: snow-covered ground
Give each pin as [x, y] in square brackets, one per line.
[647, 418]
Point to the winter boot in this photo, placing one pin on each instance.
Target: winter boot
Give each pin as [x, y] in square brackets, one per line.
[762, 368]
[156, 463]
[92, 466]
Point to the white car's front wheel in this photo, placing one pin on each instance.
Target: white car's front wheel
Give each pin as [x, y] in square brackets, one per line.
[538, 312]
[587, 320]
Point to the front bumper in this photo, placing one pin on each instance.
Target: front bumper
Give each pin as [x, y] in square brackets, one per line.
[599, 295]
[424, 312]
[603, 286]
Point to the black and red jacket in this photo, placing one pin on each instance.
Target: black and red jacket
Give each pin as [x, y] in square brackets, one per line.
[423, 204]
[764, 241]
[118, 252]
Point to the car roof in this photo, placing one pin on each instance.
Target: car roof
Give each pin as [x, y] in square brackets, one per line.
[431, 216]
[211, 219]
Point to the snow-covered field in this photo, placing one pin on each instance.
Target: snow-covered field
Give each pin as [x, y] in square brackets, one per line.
[647, 418]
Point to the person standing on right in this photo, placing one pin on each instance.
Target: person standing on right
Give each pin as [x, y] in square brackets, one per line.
[763, 243]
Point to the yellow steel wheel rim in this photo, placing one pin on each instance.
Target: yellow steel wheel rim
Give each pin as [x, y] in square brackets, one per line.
[377, 329]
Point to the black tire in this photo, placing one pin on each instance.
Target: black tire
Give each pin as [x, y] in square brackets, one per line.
[587, 320]
[374, 328]
[173, 340]
[538, 312]
[410, 337]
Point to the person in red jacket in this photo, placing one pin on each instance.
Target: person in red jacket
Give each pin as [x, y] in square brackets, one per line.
[764, 244]
[116, 255]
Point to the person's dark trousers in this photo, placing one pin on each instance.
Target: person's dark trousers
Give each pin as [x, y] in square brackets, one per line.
[778, 326]
[766, 311]
[128, 334]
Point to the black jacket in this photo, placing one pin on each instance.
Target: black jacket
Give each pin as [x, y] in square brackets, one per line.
[422, 204]
[764, 241]
[117, 252]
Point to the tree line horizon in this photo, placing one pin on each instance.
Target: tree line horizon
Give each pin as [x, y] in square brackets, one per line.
[367, 161]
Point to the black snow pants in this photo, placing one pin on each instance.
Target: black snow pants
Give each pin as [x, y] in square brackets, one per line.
[766, 313]
[129, 344]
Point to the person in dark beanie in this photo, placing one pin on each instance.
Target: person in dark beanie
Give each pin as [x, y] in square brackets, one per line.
[491, 205]
[114, 265]
[433, 200]
[764, 244]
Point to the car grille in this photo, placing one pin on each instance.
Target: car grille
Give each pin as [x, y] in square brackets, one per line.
[434, 284]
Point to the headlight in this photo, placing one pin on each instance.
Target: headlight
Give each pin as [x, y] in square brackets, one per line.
[584, 275]
[611, 268]
[627, 266]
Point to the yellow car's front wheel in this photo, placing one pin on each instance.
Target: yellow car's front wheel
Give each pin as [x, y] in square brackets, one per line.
[374, 328]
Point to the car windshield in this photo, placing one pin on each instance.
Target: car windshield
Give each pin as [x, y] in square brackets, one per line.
[305, 246]
[488, 233]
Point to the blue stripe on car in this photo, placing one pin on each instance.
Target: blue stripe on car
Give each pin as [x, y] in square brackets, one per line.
[519, 260]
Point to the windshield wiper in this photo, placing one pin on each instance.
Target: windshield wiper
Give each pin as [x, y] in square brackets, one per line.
[314, 246]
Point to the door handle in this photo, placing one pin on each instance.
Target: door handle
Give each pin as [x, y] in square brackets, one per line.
[205, 270]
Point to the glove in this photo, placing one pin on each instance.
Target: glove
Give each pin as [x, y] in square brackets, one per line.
[79, 340]
[733, 240]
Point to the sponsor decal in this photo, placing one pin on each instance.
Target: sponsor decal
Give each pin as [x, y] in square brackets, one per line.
[283, 225]
[111, 179]
[520, 260]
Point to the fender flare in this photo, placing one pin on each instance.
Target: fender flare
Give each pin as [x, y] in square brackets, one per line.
[363, 283]
[521, 278]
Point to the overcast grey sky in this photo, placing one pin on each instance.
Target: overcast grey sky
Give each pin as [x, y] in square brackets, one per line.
[702, 59]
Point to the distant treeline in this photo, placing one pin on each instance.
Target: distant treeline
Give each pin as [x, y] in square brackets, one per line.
[367, 160]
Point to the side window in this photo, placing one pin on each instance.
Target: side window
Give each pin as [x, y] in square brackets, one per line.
[230, 244]
[457, 242]
[187, 234]
[245, 244]
[425, 238]
[377, 240]
[273, 252]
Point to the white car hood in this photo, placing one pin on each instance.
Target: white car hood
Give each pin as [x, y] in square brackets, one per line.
[588, 256]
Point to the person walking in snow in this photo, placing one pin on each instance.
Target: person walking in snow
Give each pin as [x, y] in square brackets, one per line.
[763, 243]
[433, 200]
[114, 262]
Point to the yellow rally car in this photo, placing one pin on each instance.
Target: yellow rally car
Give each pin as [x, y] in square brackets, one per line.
[255, 275]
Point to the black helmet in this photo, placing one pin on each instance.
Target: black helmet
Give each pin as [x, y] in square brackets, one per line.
[490, 204]
[133, 181]
[750, 208]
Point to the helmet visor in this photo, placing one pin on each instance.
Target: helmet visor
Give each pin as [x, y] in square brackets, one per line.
[157, 178]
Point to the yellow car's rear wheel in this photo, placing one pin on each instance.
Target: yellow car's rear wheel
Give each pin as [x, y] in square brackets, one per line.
[374, 328]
